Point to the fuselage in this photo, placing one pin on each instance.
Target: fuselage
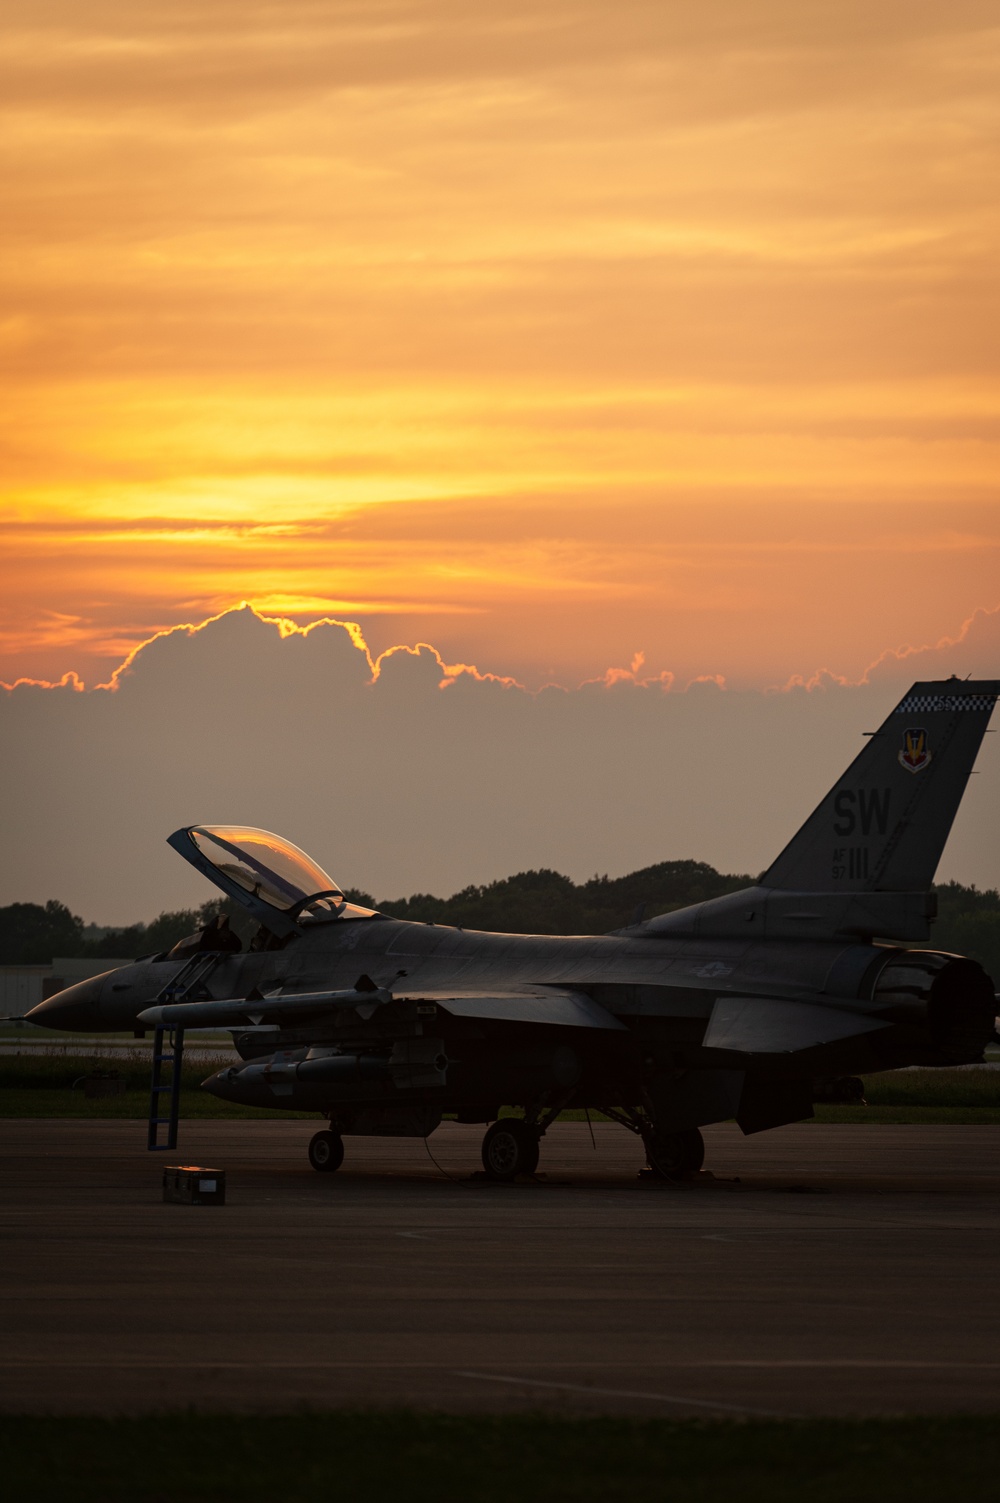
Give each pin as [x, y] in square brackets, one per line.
[659, 986]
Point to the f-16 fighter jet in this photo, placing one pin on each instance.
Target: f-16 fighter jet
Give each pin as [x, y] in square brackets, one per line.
[751, 1005]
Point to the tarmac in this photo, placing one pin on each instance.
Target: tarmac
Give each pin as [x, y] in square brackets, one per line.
[823, 1270]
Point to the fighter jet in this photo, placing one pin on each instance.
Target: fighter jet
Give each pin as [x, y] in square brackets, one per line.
[752, 1005]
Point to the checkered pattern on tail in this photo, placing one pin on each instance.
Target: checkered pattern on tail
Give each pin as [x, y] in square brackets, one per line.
[922, 704]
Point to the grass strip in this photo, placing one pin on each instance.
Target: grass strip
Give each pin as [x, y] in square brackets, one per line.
[430, 1458]
[940, 1087]
[58, 1071]
[873, 1116]
[35, 1085]
[132, 1107]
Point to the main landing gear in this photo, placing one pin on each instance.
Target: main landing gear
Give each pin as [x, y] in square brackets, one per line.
[510, 1149]
[672, 1155]
[326, 1152]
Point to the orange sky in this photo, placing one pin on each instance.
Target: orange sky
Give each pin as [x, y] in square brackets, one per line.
[549, 335]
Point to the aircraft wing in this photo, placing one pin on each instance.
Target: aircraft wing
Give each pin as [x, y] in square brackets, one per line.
[535, 1004]
[767, 1025]
[540, 1004]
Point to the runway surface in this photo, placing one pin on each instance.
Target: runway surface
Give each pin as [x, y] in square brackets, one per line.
[837, 1270]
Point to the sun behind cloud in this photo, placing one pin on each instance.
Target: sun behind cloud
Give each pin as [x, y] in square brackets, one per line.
[546, 335]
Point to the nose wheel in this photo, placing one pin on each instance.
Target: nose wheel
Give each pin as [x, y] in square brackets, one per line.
[326, 1152]
[510, 1148]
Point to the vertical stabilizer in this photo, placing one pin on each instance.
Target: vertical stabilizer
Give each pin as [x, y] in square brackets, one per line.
[883, 825]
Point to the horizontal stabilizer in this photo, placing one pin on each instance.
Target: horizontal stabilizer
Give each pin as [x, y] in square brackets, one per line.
[530, 1005]
[765, 1025]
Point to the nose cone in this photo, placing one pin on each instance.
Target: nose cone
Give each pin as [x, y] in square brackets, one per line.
[75, 1007]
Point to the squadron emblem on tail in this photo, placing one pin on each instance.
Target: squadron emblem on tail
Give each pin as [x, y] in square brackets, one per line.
[913, 754]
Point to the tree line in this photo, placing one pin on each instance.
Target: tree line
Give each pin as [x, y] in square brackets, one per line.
[532, 902]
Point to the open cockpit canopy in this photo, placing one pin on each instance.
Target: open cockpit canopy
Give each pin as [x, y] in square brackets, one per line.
[278, 883]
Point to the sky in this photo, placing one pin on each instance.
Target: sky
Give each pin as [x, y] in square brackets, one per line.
[570, 339]
[405, 774]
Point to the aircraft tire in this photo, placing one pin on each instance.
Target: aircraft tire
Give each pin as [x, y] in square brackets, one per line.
[673, 1154]
[510, 1148]
[326, 1152]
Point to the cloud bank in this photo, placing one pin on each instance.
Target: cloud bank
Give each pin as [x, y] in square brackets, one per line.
[403, 773]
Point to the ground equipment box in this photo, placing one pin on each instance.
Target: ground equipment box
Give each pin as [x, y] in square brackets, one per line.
[191, 1185]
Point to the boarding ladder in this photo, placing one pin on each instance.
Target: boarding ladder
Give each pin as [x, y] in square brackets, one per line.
[168, 1048]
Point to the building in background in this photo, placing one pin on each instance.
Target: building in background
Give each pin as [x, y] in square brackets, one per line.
[22, 986]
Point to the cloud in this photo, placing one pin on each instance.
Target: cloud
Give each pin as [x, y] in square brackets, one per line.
[545, 334]
[973, 652]
[758, 587]
[241, 60]
[403, 774]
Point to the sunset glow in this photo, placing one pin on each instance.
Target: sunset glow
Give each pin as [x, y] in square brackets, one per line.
[550, 337]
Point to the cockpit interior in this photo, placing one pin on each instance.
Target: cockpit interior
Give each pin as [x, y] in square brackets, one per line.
[282, 887]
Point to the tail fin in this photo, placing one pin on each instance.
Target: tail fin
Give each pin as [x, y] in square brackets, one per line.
[883, 825]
